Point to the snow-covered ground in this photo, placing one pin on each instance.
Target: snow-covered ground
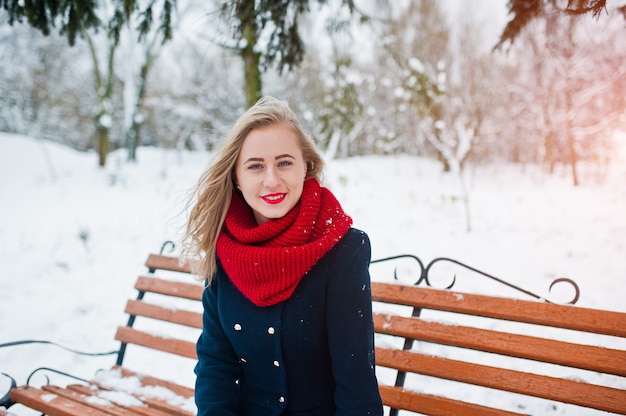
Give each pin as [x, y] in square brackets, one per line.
[74, 237]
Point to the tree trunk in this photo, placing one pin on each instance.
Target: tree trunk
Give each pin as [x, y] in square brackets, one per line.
[103, 85]
[251, 58]
[569, 110]
[133, 138]
[549, 147]
[571, 140]
[102, 139]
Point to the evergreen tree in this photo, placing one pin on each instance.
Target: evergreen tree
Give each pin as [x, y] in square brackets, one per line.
[266, 33]
[247, 20]
[74, 17]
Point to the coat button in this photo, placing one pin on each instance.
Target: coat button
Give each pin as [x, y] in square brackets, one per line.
[281, 399]
[276, 364]
[237, 327]
[271, 330]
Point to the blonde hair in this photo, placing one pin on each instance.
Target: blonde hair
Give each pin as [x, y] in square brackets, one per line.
[211, 198]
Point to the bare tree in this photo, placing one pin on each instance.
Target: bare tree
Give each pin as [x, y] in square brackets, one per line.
[141, 49]
[189, 103]
[571, 84]
[40, 87]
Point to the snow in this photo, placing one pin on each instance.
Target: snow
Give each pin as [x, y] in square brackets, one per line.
[75, 237]
[49, 397]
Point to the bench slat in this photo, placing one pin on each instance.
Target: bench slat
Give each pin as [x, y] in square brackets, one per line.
[147, 380]
[402, 399]
[585, 357]
[172, 345]
[562, 390]
[561, 316]
[164, 408]
[161, 262]
[167, 287]
[82, 395]
[154, 407]
[177, 316]
[51, 404]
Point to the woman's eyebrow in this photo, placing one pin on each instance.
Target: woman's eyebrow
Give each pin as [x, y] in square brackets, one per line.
[260, 159]
[254, 159]
[283, 155]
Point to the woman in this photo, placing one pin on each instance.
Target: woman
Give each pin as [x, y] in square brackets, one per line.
[287, 322]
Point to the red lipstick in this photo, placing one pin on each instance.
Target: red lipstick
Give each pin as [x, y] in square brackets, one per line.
[274, 198]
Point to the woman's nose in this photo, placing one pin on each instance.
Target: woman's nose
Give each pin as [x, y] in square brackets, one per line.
[271, 178]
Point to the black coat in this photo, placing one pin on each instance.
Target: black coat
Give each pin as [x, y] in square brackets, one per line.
[312, 355]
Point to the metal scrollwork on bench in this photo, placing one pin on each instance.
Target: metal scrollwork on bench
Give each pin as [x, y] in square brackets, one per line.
[425, 278]
[169, 243]
[5, 401]
[52, 370]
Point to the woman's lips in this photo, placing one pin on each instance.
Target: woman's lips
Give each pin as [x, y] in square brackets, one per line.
[274, 198]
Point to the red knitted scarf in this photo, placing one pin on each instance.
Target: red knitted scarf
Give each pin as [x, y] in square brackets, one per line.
[266, 262]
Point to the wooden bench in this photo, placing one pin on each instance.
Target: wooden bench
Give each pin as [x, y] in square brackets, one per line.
[438, 352]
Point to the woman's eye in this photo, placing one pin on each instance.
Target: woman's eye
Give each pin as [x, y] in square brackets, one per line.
[255, 166]
[284, 163]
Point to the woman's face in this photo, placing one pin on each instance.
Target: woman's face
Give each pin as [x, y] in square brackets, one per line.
[270, 171]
